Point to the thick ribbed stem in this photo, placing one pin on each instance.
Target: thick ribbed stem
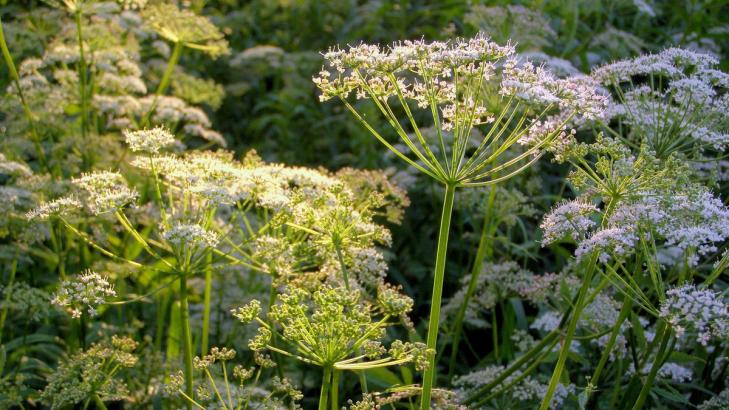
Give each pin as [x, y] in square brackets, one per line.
[438, 279]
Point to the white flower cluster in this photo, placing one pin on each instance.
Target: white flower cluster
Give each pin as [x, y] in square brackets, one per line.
[688, 223]
[86, 291]
[569, 219]
[496, 282]
[669, 371]
[104, 191]
[608, 242]
[150, 140]
[683, 100]
[124, 111]
[56, 207]
[385, 72]
[97, 192]
[527, 390]
[189, 235]
[702, 312]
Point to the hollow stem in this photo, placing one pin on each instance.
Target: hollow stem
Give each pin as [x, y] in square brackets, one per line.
[484, 249]
[186, 336]
[438, 279]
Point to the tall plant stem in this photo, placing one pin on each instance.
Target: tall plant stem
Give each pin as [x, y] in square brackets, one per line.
[8, 291]
[665, 336]
[186, 336]
[567, 341]
[335, 390]
[164, 83]
[325, 385]
[82, 77]
[484, 249]
[438, 279]
[26, 109]
[171, 64]
[206, 304]
[624, 312]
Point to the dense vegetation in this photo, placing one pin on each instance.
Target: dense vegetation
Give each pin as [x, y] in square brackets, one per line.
[364, 204]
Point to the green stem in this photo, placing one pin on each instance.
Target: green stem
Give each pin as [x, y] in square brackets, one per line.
[438, 279]
[567, 342]
[186, 336]
[335, 390]
[526, 357]
[340, 257]
[167, 76]
[521, 376]
[325, 384]
[26, 108]
[624, 312]
[657, 363]
[98, 402]
[206, 304]
[8, 290]
[82, 78]
[165, 81]
[162, 307]
[484, 249]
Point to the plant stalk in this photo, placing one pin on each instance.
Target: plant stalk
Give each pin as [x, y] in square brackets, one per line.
[325, 385]
[438, 279]
[567, 342]
[484, 249]
[26, 108]
[186, 336]
[657, 363]
[335, 390]
[206, 304]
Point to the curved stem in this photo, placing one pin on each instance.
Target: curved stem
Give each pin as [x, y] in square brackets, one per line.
[438, 279]
[484, 249]
[186, 336]
[325, 384]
